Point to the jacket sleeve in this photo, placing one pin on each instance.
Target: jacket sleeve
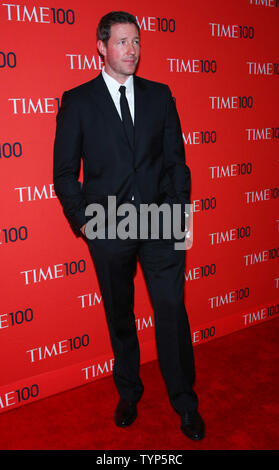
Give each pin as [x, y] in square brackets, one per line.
[174, 153]
[67, 161]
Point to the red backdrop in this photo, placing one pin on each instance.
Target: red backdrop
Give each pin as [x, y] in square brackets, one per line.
[221, 61]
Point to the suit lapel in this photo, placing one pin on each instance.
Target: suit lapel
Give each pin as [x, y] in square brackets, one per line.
[139, 92]
[101, 96]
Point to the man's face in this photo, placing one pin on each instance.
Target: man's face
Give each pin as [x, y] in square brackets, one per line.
[121, 54]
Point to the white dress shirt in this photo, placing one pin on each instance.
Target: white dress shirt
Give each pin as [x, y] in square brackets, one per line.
[113, 87]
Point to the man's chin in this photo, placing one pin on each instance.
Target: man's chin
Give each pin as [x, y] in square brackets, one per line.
[130, 69]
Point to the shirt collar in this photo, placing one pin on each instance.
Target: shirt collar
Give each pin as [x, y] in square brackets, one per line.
[113, 85]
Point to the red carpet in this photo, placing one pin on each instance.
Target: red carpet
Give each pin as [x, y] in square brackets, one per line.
[237, 382]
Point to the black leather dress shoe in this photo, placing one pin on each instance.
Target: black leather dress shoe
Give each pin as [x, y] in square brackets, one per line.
[192, 425]
[125, 413]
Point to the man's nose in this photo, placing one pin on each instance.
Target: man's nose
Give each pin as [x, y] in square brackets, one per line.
[131, 48]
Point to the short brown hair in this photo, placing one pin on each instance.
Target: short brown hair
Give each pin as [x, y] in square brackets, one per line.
[114, 17]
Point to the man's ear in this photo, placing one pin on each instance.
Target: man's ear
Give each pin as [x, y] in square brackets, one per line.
[101, 47]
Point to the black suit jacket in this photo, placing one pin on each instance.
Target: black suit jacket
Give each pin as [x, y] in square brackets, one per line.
[89, 128]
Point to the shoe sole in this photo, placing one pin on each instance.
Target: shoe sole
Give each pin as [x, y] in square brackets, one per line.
[128, 423]
[193, 438]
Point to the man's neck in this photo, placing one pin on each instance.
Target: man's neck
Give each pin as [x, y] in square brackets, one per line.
[121, 79]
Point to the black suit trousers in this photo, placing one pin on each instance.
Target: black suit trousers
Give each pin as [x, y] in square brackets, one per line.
[163, 268]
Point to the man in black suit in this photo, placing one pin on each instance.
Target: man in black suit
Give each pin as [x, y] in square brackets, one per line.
[126, 130]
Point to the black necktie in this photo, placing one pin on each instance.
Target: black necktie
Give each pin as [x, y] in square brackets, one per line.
[126, 116]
